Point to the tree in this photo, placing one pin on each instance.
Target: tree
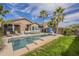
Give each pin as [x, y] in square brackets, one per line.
[1, 28]
[2, 11]
[43, 15]
[58, 16]
[9, 21]
[2, 14]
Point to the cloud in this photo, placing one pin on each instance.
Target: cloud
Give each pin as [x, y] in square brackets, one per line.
[71, 11]
[35, 8]
[70, 19]
[48, 7]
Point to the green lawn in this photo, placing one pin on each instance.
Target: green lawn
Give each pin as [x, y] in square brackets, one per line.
[64, 46]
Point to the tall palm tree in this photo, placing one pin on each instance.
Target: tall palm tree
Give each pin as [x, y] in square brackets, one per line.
[1, 22]
[43, 15]
[2, 14]
[1, 28]
[58, 16]
[2, 11]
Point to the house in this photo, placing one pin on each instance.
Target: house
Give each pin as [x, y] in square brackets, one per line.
[44, 27]
[20, 25]
[34, 26]
[61, 30]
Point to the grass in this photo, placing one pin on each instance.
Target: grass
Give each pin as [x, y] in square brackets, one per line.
[64, 46]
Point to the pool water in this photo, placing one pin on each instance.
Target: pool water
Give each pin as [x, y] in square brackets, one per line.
[19, 43]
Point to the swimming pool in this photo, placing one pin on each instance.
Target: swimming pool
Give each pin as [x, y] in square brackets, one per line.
[19, 43]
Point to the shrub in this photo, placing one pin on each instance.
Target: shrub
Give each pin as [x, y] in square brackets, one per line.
[69, 32]
[1, 32]
[1, 44]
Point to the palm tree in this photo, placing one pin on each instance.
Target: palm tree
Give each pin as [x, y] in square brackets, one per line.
[1, 20]
[43, 15]
[2, 11]
[2, 14]
[1, 28]
[58, 16]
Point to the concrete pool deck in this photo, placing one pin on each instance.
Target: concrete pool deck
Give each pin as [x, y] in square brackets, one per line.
[5, 38]
[8, 50]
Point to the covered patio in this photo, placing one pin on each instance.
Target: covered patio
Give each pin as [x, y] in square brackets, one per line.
[11, 28]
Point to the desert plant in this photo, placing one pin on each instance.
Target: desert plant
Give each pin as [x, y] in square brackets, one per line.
[58, 17]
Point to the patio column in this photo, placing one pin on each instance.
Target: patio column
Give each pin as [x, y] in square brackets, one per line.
[30, 28]
[13, 27]
[22, 28]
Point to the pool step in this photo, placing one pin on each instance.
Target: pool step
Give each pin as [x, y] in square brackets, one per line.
[30, 46]
[34, 45]
[38, 42]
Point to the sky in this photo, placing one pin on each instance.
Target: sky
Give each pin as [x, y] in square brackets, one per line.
[31, 12]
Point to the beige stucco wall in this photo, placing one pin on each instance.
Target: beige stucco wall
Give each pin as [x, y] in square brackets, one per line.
[25, 22]
[45, 25]
[22, 28]
[35, 26]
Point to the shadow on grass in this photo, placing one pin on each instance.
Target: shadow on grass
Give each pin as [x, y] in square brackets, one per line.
[73, 49]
